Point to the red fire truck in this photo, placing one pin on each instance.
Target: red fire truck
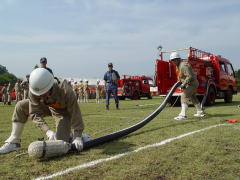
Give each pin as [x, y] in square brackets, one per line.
[134, 87]
[214, 73]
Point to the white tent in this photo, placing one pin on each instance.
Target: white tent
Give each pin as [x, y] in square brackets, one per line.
[91, 81]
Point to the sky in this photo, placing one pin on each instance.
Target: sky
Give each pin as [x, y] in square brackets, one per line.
[79, 37]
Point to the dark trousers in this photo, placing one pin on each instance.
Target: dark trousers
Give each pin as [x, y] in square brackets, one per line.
[108, 95]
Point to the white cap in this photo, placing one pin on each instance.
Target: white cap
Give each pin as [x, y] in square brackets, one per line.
[174, 55]
[40, 81]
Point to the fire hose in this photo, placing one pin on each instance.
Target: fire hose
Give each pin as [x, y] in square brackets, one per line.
[48, 149]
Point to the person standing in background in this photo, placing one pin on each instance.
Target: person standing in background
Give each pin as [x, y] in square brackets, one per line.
[111, 78]
[81, 92]
[17, 88]
[9, 91]
[4, 94]
[86, 91]
[98, 89]
[25, 87]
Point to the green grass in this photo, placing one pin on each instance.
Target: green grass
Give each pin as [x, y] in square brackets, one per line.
[212, 154]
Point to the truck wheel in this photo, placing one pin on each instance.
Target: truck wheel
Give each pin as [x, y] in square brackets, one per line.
[211, 97]
[149, 96]
[121, 97]
[228, 96]
[135, 96]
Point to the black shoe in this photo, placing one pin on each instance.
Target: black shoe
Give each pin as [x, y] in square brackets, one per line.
[117, 106]
[107, 107]
[9, 103]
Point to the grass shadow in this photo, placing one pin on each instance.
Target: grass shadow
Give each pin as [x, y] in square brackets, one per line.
[110, 148]
[116, 147]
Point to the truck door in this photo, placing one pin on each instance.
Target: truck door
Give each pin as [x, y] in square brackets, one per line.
[231, 77]
[223, 83]
[145, 85]
[165, 76]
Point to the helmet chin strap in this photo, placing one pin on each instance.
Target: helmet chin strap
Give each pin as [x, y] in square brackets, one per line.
[50, 91]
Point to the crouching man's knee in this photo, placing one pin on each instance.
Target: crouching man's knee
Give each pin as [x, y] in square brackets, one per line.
[21, 111]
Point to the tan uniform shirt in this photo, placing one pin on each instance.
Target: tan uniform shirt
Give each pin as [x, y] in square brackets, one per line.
[186, 75]
[25, 85]
[9, 89]
[98, 89]
[4, 90]
[81, 88]
[61, 99]
[17, 87]
[85, 87]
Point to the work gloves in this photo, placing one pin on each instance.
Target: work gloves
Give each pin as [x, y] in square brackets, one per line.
[78, 142]
[51, 135]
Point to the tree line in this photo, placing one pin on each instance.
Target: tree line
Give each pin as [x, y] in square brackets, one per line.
[5, 76]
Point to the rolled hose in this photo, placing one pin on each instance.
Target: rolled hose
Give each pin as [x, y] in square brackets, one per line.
[133, 128]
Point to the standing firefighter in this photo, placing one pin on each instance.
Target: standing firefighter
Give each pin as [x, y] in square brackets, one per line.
[4, 94]
[189, 86]
[98, 90]
[9, 92]
[25, 87]
[81, 92]
[86, 91]
[111, 78]
[17, 88]
[76, 89]
[47, 97]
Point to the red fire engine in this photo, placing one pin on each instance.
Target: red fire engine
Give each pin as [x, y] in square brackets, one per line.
[214, 73]
[134, 87]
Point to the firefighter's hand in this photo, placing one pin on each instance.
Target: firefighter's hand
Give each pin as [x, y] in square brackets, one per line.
[183, 86]
[78, 143]
[51, 135]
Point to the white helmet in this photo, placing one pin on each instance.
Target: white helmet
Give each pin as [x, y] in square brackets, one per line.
[174, 55]
[40, 81]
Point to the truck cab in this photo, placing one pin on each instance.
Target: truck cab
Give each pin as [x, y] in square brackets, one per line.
[134, 87]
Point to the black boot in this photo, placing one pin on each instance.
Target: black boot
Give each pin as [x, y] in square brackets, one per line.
[107, 107]
[117, 106]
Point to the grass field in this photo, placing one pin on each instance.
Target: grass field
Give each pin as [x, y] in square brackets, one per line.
[211, 154]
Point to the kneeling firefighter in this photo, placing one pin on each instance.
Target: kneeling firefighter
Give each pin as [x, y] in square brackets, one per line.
[189, 86]
[48, 97]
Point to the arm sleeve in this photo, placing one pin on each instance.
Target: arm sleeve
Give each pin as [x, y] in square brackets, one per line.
[75, 113]
[36, 113]
[105, 77]
[118, 76]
